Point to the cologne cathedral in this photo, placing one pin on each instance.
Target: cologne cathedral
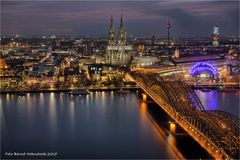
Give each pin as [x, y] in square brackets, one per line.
[118, 52]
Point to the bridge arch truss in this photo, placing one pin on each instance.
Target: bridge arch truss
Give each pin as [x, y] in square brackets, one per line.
[216, 131]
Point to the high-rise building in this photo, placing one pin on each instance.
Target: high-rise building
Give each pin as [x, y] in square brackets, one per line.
[87, 48]
[153, 40]
[141, 49]
[176, 53]
[215, 36]
[118, 52]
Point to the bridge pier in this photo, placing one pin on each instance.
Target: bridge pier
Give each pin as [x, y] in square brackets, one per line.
[144, 97]
[160, 115]
[175, 129]
[172, 127]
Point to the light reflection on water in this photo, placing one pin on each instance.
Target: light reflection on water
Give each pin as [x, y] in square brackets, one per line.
[41, 99]
[72, 107]
[171, 140]
[143, 112]
[214, 100]
[209, 99]
[52, 114]
[99, 125]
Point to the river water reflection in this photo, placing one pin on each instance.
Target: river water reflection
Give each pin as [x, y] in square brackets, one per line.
[99, 125]
[226, 101]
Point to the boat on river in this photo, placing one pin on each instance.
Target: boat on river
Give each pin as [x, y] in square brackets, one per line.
[206, 90]
[122, 91]
[228, 90]
[21, 93]
[79, 92]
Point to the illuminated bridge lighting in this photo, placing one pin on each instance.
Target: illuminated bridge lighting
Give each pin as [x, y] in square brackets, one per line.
[201, 66]
[210, 129]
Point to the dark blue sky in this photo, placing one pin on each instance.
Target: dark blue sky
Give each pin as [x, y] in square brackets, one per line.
[188, 17]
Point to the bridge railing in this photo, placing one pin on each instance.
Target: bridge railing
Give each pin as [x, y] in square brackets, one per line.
[189, 121]
[195, 126]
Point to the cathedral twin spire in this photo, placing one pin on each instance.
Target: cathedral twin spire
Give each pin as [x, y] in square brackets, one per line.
[111, 33]
[121, 34]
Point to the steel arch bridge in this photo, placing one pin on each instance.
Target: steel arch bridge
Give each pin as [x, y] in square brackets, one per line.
[216, 131]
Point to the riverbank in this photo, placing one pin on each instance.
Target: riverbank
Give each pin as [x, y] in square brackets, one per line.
[58, 90]
[206, 85]
[214, 87]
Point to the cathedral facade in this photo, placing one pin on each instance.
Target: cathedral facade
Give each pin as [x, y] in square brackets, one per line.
[118, 52]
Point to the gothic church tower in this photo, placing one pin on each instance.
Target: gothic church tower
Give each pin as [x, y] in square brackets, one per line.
[121, 34]
[111, 33]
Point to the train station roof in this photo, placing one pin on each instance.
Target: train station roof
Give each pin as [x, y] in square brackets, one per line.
[195, 59]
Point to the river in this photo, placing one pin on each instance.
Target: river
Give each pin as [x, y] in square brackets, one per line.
[99, 125]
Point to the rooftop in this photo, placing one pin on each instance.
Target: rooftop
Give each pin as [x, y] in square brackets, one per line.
[196, 58]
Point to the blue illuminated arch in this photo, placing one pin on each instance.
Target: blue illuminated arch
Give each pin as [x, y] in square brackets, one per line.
[201, 66]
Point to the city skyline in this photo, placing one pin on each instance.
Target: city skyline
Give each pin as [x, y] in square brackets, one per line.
[128, 79]
[141, 18]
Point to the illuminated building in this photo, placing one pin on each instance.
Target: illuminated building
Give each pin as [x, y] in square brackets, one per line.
[232, 62]
[3, 64]
[7, 75]
[215, 36]
[111, 34]
[53, 37]
[176, 54]
[72, 74]
[203, 70]
[141, 49]
[143, 61]
[118, 52]
[153, 40]
[95, 71]
[122, 34]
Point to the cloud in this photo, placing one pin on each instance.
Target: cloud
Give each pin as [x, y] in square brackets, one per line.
[189, 17]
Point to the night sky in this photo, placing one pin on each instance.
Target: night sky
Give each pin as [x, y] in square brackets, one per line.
[141, 18]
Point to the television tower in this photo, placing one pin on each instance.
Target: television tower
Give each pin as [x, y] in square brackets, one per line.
[168, 28]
